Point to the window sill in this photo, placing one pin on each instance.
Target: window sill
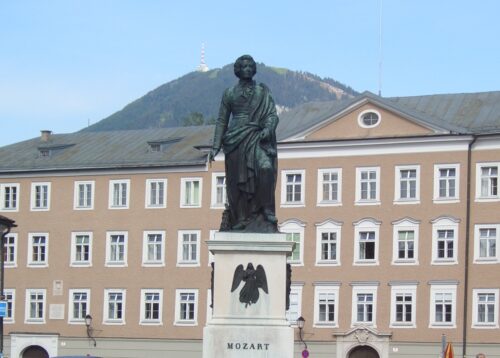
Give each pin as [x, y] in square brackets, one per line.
[150, 323]
[446, 200]
[40, 209]
[485, 325]
[406, 202]
[365, 263]
[484, 199]
[37, 265]
[190, 206]
[486, 261]
[405, 262]
[367, 202]
[186, 323]
[293, 205]
[35, 321]
[188, 264]
[329, 203]
[81, 264]
[443, 325]
[156, 207]
[444, 262]
[118, 207]
[116, 264]
[153, 264]
[327, 263]
[114, 323]
[402, 325]
[83, 208]
[325, 325]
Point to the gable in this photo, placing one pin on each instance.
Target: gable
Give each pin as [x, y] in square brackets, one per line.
[348, 126]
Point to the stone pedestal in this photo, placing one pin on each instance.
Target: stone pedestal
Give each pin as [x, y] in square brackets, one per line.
[257, 330]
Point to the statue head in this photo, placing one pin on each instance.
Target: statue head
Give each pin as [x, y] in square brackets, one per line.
[239, 63]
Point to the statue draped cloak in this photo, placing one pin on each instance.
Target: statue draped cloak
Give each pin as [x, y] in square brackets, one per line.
[246, 110]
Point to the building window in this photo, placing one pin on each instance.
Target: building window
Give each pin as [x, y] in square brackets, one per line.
[446, 183]
[40, 196]
[326, 305]
[79, 301]
[119, 192]
[485, 314]
[81, 249]
[10, 298]
[153, 248]
[407, 184]
[405, 238]
[366, 242]
[295, 309]
[367, 186]
[10, 252]
[364, 305]
[191, 192]
[293, 187]
[38, 250]
[328, 243]
[485, 243]
[116, 248]
[369, 118]
[329, 187]
[445, 240]
[156, 193]
[151, 306]
[9, 194]
[114, 306]
[188, 252]
[35, 306]
[186, 307]
[403, 305]
[219, 197]
[84, 195]
[294, 230]
[487, 181]
[443, 305]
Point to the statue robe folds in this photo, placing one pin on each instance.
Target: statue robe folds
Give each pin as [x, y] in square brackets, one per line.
[246, 131]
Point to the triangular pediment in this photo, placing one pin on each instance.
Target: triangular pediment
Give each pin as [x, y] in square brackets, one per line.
[367, 116]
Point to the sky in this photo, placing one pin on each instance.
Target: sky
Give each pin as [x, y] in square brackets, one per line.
[65, 64]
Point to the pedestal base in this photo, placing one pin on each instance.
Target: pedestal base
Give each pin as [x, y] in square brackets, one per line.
[234, 341]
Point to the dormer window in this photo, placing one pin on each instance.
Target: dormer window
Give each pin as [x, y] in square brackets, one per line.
[161, 145]
[44, 153]
[369, 118]
[155, 147]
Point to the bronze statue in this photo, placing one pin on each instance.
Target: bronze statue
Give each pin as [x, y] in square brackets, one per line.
[246, 132]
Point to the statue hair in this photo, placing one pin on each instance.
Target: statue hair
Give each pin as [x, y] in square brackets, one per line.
[239, 61]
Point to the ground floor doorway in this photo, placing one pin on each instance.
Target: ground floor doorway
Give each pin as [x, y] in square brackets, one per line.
[35, 352]
[363, 352]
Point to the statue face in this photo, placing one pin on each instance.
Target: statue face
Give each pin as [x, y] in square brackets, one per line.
[247, 70]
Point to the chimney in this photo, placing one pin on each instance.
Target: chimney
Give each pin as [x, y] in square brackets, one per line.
[45, 135]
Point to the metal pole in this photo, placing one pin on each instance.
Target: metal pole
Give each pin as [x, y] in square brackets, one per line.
[2, 278]
[443, 344]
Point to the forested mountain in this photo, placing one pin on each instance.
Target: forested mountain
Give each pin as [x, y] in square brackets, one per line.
[194, 99]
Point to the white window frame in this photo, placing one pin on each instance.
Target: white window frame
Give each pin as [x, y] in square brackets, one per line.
[118, 263]
[368, 201]
[364, 289]
[71, 311]
[178, 320]
[294, 203]
[12, 293]
[105, 315]
[183, 200]
[490, 197]
[293, 226]
[295, 291]
[210, 255]
[3, 186]
[331, 289]
[180, 249]
[80, 263]
[477, 244]
[38, 264]
[320, 200]
[398, 181]
[151, 321]
[148, 204]
[406, 224]
[475, 311]
[27, 317]
[443, 289]
[120, 205]
[146, 262]
[328, 226]
[403, 289]
[215, 204]
[34, 206]
[76, 200]
[9, 247]
[439, 224]
[366, 225]
[446, 199]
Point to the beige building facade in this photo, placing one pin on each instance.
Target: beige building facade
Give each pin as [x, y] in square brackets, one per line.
[393, 205]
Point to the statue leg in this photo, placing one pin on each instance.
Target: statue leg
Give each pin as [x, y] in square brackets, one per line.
[266, 184]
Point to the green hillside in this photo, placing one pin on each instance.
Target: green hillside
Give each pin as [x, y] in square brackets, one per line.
[194, 98]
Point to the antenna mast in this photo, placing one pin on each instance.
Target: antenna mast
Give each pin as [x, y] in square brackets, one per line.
[203, 66]
[380, 52]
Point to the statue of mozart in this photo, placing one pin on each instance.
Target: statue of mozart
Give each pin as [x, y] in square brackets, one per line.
[246, 132]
